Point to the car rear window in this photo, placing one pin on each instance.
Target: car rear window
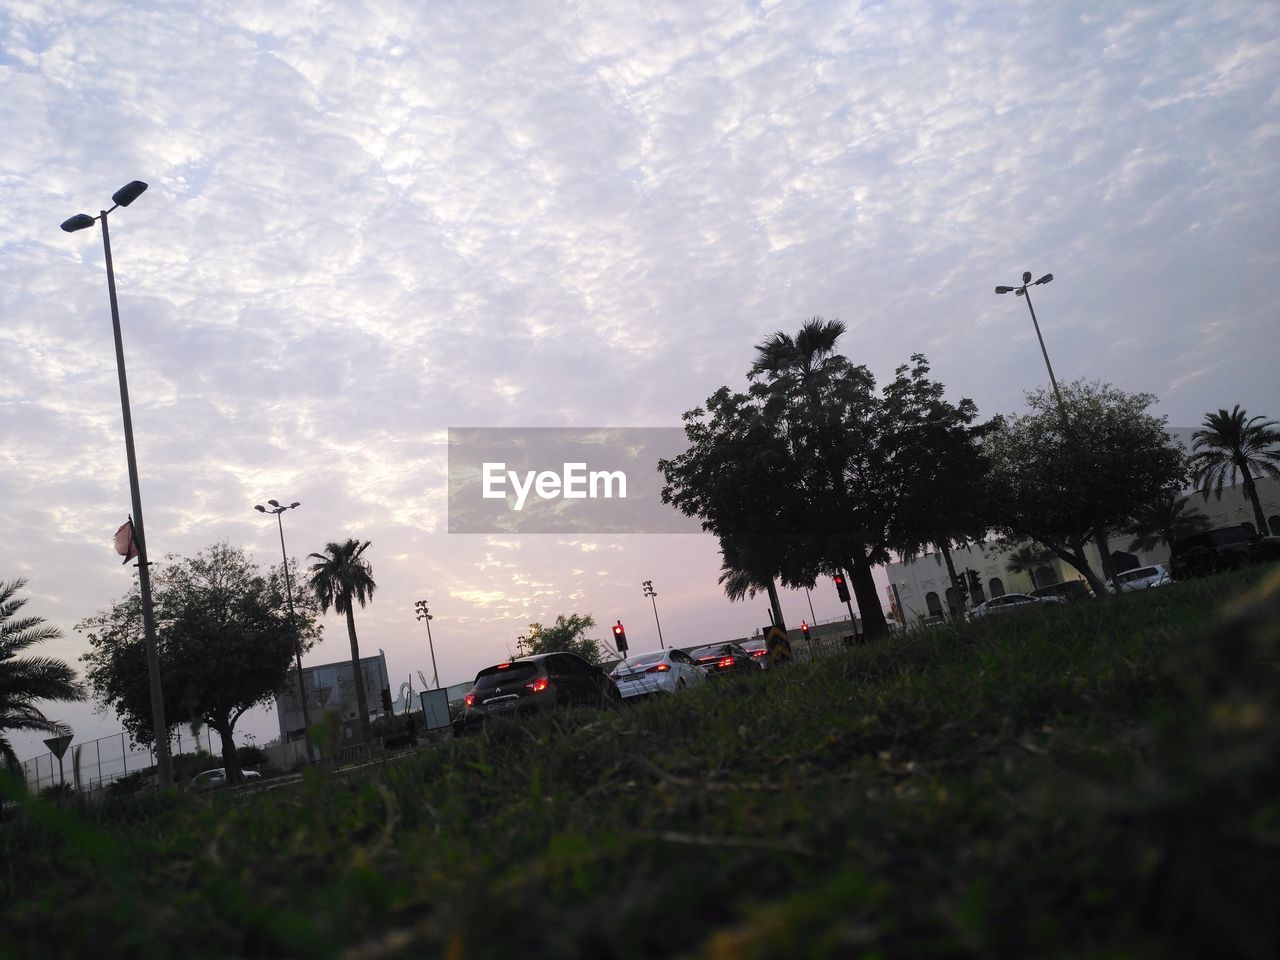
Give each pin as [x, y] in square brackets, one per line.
[1139, 574]
[644, 659]
[714, 651]
[495, 676]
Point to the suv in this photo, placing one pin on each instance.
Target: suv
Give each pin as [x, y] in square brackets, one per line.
[1226, 548]
[534, 683]
[1141, 578]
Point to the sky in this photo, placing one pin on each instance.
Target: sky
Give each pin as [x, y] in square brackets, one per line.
[368, 223]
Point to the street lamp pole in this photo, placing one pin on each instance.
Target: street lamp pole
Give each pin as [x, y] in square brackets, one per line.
[652, 595]
[423, 613]
[164, 762]
[278, 509]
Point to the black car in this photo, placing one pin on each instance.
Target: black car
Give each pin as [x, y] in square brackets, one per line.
[1226, 548]
[724, 659]
[534, 683]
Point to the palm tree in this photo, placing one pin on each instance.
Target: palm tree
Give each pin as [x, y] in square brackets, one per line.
[1232, 446]
[782, 355]
[1026, 558]
[1164, 521]
[339, 576]
[25, 680]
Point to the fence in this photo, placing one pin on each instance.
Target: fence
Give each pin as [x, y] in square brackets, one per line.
[93, 764]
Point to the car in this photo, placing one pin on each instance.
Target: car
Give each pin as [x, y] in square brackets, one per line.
[217, 777]
[724, 659]
[1226, 548]
[530, 684]
[660, 671]
[1012, 603]
[1142, 578]
[758, 649]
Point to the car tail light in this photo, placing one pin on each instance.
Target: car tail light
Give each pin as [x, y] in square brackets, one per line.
[538, 685]
[660, 668]
[504, 666]
[758, 653]
[724, 663]
[470, 699]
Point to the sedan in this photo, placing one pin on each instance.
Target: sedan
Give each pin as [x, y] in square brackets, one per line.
[661, 671]
[758, 649]
[1012, 602]
[724, 659]
[217, 777]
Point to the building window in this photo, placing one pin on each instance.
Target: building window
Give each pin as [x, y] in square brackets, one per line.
[997, 586]
[1250, 527]
[1274, 523]
[1044, 577]
[953, 602]
[933, 603]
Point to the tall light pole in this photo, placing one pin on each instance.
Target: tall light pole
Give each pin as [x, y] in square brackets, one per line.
[277, 510]
[1104, 548]
[423, 613]
[652, 594]
[164, 762]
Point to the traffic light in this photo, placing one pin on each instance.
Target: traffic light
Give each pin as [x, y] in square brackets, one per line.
[842, 588]
[804, 630]
[962, 589]
[975, 582]
[620, 638]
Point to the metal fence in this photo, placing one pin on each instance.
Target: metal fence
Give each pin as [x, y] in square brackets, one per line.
[93, 764]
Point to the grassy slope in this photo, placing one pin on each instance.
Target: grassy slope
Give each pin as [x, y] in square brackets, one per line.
[1097, 781]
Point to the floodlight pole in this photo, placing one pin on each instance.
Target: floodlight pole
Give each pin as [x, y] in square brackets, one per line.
[279, 510]
[424, 613]
[652, 595]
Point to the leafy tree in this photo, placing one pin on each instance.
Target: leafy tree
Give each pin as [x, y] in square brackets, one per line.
[1164, 521]
[1061, 484]
[1028, 558]
[1232, 446]
[224, 639]
[566, 635]
[339, 577]
[25, 681]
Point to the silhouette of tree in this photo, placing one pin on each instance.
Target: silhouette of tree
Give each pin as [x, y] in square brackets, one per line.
[341, 577]
[1230, 447]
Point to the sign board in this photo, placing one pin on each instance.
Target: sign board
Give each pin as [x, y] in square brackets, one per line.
[331, 687]
[435, 707]
[58, 745]
[779, 645]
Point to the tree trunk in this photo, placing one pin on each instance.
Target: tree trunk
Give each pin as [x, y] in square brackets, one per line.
[230, 762]
[1251, 492]
[874, 625]
[362, 702]
[955, 583]
[776, 606]
[1104, 554]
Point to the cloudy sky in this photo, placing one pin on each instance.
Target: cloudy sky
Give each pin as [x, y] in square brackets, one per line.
[370, 222]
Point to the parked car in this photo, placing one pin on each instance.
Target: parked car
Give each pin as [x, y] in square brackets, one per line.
[534, 683]
[217, 777]
[1142, 578]
[724, 659]
[1226, 548]
[1013, 602]
[660, 671]
[758, 649]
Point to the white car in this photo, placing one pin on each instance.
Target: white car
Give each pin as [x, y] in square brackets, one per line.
[659, 671]
[217, 777]
[1142, 578]
[1012, 602]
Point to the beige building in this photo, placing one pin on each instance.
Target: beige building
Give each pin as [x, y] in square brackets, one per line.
[923, 588]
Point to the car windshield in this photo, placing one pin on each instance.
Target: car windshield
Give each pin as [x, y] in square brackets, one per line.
[644, 659]
[495, 676]
[1139, 574]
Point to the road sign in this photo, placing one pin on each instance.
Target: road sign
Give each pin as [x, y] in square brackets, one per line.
[779, 646]
[59, 744]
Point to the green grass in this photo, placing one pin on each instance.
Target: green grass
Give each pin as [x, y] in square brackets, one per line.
[1097, 781]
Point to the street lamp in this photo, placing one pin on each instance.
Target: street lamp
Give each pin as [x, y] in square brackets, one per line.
[652, 594]
[164, 762]
[277, 510]
[1104, 548]
[423, 613]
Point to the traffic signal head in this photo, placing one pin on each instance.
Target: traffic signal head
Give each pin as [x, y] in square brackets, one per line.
[975, 581]
[620, 638]
[804, 629]
[842, 588]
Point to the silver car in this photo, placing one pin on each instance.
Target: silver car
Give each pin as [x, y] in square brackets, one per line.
[1142, 578]
[1012, 602]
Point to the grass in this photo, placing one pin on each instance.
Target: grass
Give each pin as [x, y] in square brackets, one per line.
[1097, 781]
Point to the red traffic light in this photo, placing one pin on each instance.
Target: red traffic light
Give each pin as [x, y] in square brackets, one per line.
[617, 628]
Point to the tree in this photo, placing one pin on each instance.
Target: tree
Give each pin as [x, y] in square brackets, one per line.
[25, 681]
[1028, 558]
[1164, 521]
[224, 639]
[1060, 484]
[566, 635]
[1232, 446]
[339, 577]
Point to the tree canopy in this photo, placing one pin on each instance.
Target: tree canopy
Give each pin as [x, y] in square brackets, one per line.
[224, 638]
[1060, 483]
[26, 681]
[340, 578]
[566, 635]
[1232, 445]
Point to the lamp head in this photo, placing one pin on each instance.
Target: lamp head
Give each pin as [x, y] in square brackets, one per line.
[274, 503]
[296, 503]
[1026, 276]
[260, 508]
[78, 222]
[130, 192]
[1003, 289]
[1045, 279]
